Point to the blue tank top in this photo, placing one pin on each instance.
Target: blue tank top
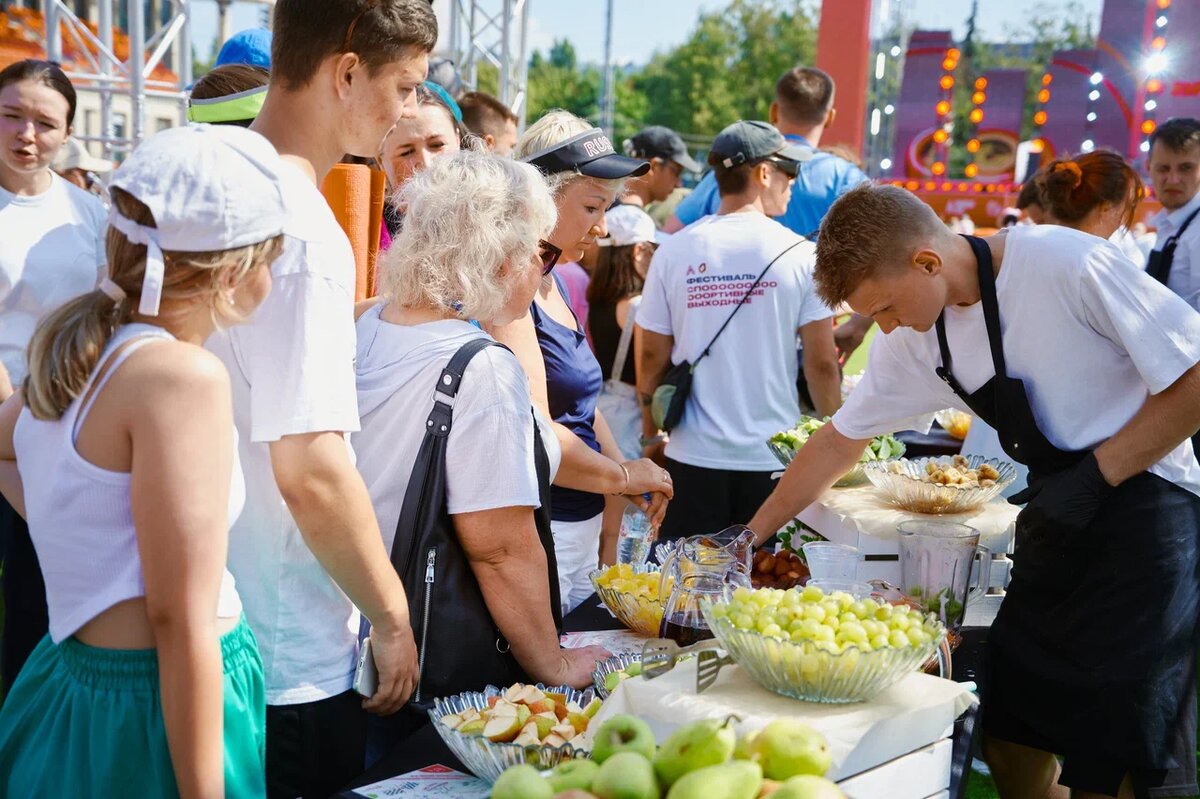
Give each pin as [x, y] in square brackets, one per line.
[573, 383]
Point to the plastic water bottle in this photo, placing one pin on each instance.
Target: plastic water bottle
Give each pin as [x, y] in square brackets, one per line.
[633, 543]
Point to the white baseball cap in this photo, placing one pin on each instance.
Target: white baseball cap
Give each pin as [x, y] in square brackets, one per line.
[628, 224]
[74, 155]
[209, 188]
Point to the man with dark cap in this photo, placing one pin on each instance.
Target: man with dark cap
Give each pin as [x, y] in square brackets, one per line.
[743, 359]
[664, 149]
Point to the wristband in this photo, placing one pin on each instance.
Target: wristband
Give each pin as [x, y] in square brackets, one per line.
[645, 442]
[625, 488]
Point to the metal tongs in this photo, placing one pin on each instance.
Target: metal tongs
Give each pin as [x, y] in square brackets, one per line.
[659, 655]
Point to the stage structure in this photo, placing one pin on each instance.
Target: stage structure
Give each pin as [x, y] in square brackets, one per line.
[496, 32]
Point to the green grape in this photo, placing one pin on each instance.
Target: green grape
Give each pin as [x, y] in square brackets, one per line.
[825, 634]
[853, 631]
[860, 609]
[811, 628]
[812, 593]
[814, 612]
[744, 621]
[898, 639]
[796, 624]
[743, 594]
[883, 612]
[797, 636]
[918, 637]
[900, 622]
[773, 630]
[848, 618]
[879, 641]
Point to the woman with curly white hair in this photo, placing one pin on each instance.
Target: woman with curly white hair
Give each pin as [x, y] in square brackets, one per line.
[472, 248]
[585, 175]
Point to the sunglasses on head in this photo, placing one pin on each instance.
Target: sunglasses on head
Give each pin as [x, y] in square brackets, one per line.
[789, 168]
[549, 255]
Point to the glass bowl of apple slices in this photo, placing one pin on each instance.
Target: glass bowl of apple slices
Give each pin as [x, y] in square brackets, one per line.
[493, 729]
[609, 673]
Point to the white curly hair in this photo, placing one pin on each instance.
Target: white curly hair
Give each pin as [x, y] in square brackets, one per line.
[468, 215]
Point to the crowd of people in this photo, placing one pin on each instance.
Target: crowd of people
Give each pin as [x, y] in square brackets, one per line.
[227, 484]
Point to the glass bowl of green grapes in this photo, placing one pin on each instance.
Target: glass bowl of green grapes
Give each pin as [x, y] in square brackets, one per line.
[822, 647]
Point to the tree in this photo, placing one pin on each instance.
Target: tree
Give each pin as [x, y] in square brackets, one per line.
[727, 68]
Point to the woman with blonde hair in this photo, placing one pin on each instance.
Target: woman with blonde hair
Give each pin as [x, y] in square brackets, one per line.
[467, 521]
[585, 175]
[149, 682]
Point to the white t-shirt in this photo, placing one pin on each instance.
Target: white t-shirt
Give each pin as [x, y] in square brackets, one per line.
[1184, 279]
[745, 388]
[1090, 334]
[489, 454]
[292, 370]
[51, 251]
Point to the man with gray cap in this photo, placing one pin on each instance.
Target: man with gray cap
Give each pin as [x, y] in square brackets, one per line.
[664, 149]
[728, 295]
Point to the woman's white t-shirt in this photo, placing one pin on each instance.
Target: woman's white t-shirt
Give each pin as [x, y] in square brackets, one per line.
[51, 250]
[1090, 334]
[490, 451]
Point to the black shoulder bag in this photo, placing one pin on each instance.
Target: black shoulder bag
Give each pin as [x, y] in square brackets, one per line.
[459, 646]
[670, 398]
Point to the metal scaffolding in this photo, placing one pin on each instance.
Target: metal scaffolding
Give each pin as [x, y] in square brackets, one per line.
[109, 76]
[494, 31]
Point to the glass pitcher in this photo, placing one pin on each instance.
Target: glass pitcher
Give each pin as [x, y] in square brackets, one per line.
[702, 567]
[936, 558]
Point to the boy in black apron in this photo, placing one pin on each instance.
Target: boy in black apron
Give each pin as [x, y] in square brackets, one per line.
[1088, 369]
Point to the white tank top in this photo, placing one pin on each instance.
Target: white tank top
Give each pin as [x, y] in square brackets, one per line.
[80, 516]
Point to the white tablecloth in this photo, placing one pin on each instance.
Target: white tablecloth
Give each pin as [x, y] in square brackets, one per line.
[862, 510]
[913, 713]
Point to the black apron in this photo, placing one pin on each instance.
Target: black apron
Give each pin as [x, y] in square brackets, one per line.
[1092, 653]
[1159, 265]
[459, 646]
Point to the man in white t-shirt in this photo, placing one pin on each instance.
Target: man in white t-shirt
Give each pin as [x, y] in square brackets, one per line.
[1090, 372]
[307, 549]
[745, 280]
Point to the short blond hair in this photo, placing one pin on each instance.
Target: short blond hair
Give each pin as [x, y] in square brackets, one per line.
[555, 127]
[468, 214]
[865, 232]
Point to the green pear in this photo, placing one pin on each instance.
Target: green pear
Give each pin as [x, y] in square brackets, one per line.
[737, 779]
[522, 782]
[623, 733]
[788, 748]
[709, 742]
[626, 775]
[745, 746]
[806, 786]
[573, 774]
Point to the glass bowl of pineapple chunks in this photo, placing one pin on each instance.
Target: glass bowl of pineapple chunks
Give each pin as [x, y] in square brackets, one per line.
[496, 728]
[632, 594]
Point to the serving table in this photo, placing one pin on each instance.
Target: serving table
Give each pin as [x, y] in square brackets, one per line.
[908, 736]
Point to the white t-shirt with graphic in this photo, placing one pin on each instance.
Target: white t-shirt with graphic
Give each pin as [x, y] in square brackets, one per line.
[51, 251]
[292, 370]
[745, 389]
[1089, 332]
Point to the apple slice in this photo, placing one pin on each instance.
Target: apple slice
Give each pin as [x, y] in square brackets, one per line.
[523, 714]
[564, 731]
[544, 724]
[492, 701]
[556, 697]
[452, 720]
[501, 729]
[553, 739]
[526, 739]
[504, 708]
[578, 722]
[470, 714]
[541, 706]
[532, 694]
[573, 707]
[514, 693]
[473, 727]
[560, 711]
[592, 708]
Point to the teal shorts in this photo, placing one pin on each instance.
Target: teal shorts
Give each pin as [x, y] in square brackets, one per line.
[82, 721]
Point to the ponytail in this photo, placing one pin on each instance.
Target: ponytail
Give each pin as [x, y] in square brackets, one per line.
[1072, 188]
[66, 349]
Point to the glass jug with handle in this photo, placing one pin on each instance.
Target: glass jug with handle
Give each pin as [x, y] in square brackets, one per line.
[702, 567]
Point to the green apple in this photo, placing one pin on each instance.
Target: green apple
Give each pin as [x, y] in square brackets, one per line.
[575, 793]
[737, 779]
[709, 742]
[623, 733]
[522, 782]
[570, 774]
[626, 775]
[788, 748]
[806, 786]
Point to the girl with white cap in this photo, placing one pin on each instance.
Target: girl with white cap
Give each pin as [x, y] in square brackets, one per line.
[150, 682]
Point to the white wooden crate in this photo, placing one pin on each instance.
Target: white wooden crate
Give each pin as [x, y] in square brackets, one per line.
[922, 774]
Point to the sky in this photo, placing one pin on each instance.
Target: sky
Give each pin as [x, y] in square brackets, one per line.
[640, 27]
